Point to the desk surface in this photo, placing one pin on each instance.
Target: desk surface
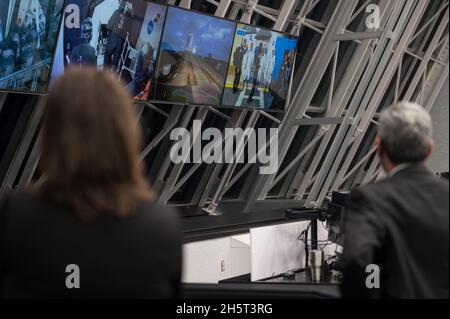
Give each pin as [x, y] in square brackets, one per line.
[302, 283]
[231, 223]
[300, 278]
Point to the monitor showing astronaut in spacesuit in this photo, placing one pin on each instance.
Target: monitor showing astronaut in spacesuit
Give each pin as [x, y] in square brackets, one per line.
[28, 34]
[121, 35]
[260, 68]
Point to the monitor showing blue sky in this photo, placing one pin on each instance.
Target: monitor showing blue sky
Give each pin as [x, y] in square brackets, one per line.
[194, 57]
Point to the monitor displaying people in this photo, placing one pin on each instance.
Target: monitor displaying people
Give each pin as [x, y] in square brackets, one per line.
[194, 58]
[260, 68]
[121, 35]
[28, 33]
[160, 53]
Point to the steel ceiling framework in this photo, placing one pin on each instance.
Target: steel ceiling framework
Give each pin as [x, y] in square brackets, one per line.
[345, 75]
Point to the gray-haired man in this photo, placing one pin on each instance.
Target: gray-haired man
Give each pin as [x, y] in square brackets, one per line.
[397, 229]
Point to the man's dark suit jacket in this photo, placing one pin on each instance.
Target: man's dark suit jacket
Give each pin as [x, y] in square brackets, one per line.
[401, 224]
[138, 257]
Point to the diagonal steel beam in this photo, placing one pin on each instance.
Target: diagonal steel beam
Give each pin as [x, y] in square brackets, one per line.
[304, 94]
[378, 87]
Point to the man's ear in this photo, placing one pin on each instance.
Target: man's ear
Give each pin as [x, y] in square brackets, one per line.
[379, 145]
[430, 147]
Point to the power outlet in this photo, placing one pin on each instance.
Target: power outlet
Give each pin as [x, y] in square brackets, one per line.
[222, 265]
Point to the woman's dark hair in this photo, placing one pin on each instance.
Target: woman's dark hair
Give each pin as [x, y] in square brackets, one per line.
[90, 146]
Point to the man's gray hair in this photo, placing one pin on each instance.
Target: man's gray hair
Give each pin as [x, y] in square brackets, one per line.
[406, 132]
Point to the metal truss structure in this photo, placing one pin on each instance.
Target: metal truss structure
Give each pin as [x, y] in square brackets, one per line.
[346, 74]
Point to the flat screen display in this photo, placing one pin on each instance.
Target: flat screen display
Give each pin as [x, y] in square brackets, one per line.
[28, 34]
[260, 68]
[194, 55]
[122, 36]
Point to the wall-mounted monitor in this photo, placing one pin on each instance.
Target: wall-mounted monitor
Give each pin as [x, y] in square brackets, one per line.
[161, 53]
[260, 68]
[123, 36]
[28, 34]
[194, 55]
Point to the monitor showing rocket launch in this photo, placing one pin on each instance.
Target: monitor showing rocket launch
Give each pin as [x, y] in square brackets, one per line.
[195, 50]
